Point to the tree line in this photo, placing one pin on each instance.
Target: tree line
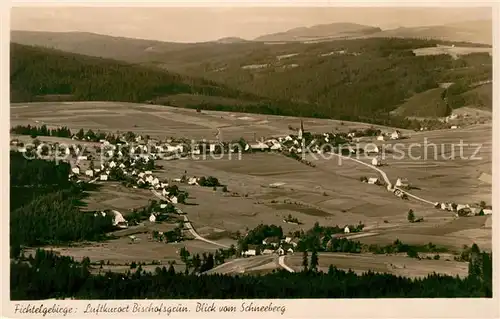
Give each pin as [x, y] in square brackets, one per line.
[46, 275]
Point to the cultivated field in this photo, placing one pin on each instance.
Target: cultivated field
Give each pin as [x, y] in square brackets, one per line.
[451, 50]
[395, 264]
[163, 121]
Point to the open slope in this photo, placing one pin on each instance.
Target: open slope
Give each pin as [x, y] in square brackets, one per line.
[320, 32]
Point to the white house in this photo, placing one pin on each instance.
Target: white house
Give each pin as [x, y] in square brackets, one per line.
[276, 147]
[192, 181]
[371, 148]
[164, 192]
[155, 181]
[289, 251]
[150, 179]
[122, 165]
[173, 199]
[373, 180]
[288, 240]
[163, 185]
[395, 135]
[488, 211]
[196, 151]
[163, 206]
[103, 177]
[177, 180]
[453, 127]
[140, 181]
[141, 174]
[259, 146]
[112, 164]
[76, 170]
[89, 172]
[82, 158]
[346, 230]
[250, 252]
[401, 182]
[380, 138]
[119, 220]
[375, 161]
[152, 218]
[267, 252]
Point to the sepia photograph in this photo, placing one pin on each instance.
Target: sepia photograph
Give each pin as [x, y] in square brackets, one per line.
[251, 153]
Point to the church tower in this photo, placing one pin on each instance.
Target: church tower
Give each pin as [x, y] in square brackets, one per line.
[301, 130]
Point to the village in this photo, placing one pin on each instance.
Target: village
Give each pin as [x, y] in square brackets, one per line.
[130, 159]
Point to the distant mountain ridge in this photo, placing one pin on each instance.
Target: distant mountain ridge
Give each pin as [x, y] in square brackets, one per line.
[332, 30]
[467, 31]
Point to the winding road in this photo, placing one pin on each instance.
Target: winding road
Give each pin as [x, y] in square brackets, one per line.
[386, 179]
[187, 223]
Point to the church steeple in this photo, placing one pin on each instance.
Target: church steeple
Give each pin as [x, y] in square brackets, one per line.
[301, 130]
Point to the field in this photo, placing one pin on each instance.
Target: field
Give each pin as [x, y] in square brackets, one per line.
[329, 193]
[451, 50]
[163, 121]
[395, 264]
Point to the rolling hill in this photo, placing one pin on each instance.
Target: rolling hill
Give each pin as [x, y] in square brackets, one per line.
[470, 31]
[320, 32]
[358, 79]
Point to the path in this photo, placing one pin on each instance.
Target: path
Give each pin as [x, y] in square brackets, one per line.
[281, 262]
[386, 179]
[187, 223]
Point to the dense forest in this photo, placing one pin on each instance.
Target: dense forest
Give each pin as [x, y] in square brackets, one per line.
[44, 205]
[46, 275]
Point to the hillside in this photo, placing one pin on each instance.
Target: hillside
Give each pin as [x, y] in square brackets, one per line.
[426, 104]
[469, 31]
[37, 73]
[119, 48]
[321, 31]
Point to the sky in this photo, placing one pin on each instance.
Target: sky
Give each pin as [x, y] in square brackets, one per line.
[206, 24]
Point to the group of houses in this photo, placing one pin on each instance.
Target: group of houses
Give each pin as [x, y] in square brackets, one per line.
[395, 135]
[273, 245]
[464, 209]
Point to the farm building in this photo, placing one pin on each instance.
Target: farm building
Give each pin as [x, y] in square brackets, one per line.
[103, 177]
[488, 211]
[259, 146]
[371, 148]
[376, 161]
[193, 181]
[396, 135]
[346, 230]
[252, 250]
[380, 138]
[152, 218]
[173, 199]
[267, 252]
[274, 241]
[373, 180]
[76, 170]
[118, 220]
[89, 173]
[402, 182]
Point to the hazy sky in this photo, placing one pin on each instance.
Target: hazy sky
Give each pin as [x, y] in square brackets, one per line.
[204, 24]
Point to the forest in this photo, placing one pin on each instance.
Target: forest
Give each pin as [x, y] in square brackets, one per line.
[46, 275]
[365, 85]
[44, 205]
